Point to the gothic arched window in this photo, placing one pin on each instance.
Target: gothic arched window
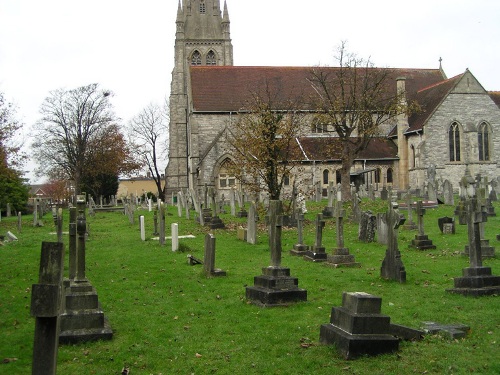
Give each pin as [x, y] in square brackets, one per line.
[326, 176]
[226, 177]
[377, 176]
[211, 59]
[389, 176]
[196, 58]
[483, 140]
[454, 141]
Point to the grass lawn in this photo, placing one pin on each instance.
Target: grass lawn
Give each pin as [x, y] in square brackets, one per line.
[168, 318]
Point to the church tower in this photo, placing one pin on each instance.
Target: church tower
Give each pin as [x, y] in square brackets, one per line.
[202, 38]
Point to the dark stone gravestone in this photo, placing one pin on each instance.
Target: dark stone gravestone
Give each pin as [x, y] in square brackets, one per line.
[275, 287]
[340, 256]
[409, 224]
[421, 240]
[384, 194]
[367, 226]
[299, 249]
[476, 280]
[46, 303]
[449, 331]
[83, 319]
[317, 253]
[490, 209]
[446, 225]
[358, 328]
[392, 266]
[461, 212]
[209, 261]
[215, 221]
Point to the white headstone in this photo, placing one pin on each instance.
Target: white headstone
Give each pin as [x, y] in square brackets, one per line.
[175, 236]
[143, 229]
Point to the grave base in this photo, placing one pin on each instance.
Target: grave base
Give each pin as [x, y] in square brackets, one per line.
[316, 254]
[487, 251]
[475, 282]
[299, 250]
[216, 223]
[83, 319]
[217, 273]
[275, 287]
[422, 243]
[242, 213]
[392, 267]
[341, 258]
[328, 212]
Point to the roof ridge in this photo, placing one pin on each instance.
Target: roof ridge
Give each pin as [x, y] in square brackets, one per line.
[440, 83]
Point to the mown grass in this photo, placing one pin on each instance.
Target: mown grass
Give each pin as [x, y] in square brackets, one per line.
[168, 318]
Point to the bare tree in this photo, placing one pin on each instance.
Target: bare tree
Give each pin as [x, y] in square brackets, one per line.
[74, 125]
[265, 150]
[353, 101]
[149, 130]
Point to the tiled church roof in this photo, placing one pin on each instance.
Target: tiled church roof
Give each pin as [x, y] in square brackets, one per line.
[228, 88]
[495, 96]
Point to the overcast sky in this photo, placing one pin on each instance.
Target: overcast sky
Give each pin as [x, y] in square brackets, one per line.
[127, 45]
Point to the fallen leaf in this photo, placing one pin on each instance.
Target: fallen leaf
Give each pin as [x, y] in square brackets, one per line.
[9, 360]
[198, 355]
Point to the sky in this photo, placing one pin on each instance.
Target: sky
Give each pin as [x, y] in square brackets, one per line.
[127, 46]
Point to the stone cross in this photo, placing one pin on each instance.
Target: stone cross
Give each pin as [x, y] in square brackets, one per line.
[392, 266]
[300, 227]
[339, 216]
[81, 229]
[72, 243]
[252, 224]
[420, 211]
[320, 224]
[46, 302]
[59, 223]
[476, 216]
[275, 222]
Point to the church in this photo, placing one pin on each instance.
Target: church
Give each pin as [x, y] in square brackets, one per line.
[457, 128]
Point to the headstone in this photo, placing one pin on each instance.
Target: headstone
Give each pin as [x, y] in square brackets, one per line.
[275, 286]
[431, 192]
[487, 251]
[328, 210]
[384, 194]
[11, 236]
[143, 228]
[155, 223]
[371, 192]
[209, 260]
[477, 280]
[490, 209]
[299, 248]
[175, 236]
[232, 204]
[356, 210]
[446, 225]
[72, 243]
[46, 302]
[358, 328]
[367, 226]
[8, 213]
[392, 266]
[421, 240]
[19, 221]
[448, 197]
[83, 319]
[340, 256]
[179, 203]
[161, 215]
[252, 224]
[215, 221]
[409, 224]
[59, 225]
[382, 230]
[317, 253]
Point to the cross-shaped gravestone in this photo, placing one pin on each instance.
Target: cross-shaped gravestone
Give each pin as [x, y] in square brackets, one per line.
[421, 241]
[81, 229]
[320, 224]
[339, 216]
[392, 266]
[275, 222]
[341, 256]
[409, 224]
[299, 248]
[420, 211]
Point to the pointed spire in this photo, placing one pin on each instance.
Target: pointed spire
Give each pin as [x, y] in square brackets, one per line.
[179, 12]
[225, 17]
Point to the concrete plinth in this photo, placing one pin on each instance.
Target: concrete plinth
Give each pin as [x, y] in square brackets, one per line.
[422, 242]
[316, 254]
[341, 258]
[299, 250]
[475, 282]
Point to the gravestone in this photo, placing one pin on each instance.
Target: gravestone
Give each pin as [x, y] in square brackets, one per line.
[461, 212]
[367, 226]
[382, 230]
[446, 225]
[358, 328]
[431, 191]
[299, 248]
[46, 302]
[490, 209]
[328, 210]
[384, 194]
[340, 256]
[232, 203]
[215, 221]
[487, 251]
[209, 260]
[155, 223]
[392, 266]
[371, 192]
[143, 228]
[421, 240]
[83, 319]
[356, 210]
[317, 253]
[180, 203]
[72, 243]
[8, 212]
[409, 224]
[162, 221]
[252, 224]
[19, 221]
[175, 236]
[477, 280]
[448, 197]
[275, 287]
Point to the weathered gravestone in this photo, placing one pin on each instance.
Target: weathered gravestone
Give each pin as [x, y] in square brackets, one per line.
[392, 266]
[46, 303]
[252, 224]
[446, 225]
[174, 230]
[275, 286]
[421, 240]
[82, 320]
[299, 248]
[340, 256]
[487, 251]
[209, 260]
[317, 253]
[328, 210]
[476, 280]
[409, 224]
[448, 197]
[367, 226]
[358, 328]
[215, 221]
[382, 230]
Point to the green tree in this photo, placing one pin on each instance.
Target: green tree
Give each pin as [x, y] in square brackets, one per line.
[13, 187]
